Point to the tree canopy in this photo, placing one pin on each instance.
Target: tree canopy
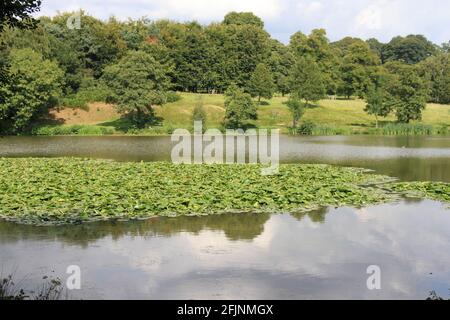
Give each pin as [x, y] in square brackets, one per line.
[137, 83]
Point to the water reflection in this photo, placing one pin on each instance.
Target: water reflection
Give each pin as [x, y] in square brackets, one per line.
[243, 226]
[320, 255]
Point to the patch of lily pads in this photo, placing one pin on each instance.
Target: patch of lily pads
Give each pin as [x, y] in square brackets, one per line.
[71, 190]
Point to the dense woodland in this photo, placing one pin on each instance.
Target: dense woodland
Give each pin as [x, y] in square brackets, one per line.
[137, 64]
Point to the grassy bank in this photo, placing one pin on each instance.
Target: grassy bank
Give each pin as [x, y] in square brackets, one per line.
[330, 117]
[68, 190]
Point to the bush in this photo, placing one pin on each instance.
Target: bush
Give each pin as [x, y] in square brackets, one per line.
[96, 93]
[83, 130]
[306, 128]
[172, 96]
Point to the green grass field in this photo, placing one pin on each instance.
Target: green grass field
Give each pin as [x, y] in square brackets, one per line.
[331, 116]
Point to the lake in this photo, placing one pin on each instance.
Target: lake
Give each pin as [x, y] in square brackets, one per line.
[323, 254]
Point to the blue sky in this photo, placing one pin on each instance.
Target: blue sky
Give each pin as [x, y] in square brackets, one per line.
[382, 19]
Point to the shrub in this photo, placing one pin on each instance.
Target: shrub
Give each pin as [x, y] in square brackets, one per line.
[172, 96]
[73, 130]
[306, 128]
[95, 93]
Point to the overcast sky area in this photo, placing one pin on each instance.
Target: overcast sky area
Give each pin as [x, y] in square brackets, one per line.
[382, 19]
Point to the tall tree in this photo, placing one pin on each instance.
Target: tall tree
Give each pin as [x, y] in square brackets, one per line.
[436, 70]
[410, 49]
[379, 103]
[34, 87]
[14, 14]
[358, 64]
[408, 90]
[306, 81]
[261, 83]
[280, 62]
[239, 107]
[138, 82]
[317, 47]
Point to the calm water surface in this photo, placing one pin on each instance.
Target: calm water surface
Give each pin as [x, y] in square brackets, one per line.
[323, 254]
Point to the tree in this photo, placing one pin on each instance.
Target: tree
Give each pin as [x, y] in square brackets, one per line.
[280, 62]
[243, 18]
[377, 98]
[436, 70]
[411, 49]
[199, 114]
[35, 87]
[317, 47]
[14, 14]
[261, 83]
[297, 110]
[408, 91]
[137, 82]
[376, 46]
[306, 81]
[17, 13]
[239, 107]
[358, 64]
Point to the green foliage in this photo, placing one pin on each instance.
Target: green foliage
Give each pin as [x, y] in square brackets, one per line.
[18, 13]
[90, 91]
[408, 91]
[199, 114]
[438, 191]
[411, 49]
[358, 65]
[436, 70]
[172, 96]
[49, 191]
[395, 129]
[297, 110]
[317, 47]
[137, 82]
[261, 83]
[306, 128]
[306, 81]
[82, 130]
[35, 86]
[239, 107]
[243, 18]
[378, 101]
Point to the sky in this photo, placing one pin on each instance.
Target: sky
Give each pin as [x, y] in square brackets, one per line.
[382, 19]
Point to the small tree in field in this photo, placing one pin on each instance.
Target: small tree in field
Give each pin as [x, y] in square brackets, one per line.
[297, 110]
[261, 83]
[137, 82]
[379, 103]
[199, 114]
[239, 107]
[306, 81]
[408, 93]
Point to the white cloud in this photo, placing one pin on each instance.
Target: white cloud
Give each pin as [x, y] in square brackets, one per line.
[309, 7]
[370, 18]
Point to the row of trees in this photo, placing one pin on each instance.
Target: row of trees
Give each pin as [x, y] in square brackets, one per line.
[135, 63]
